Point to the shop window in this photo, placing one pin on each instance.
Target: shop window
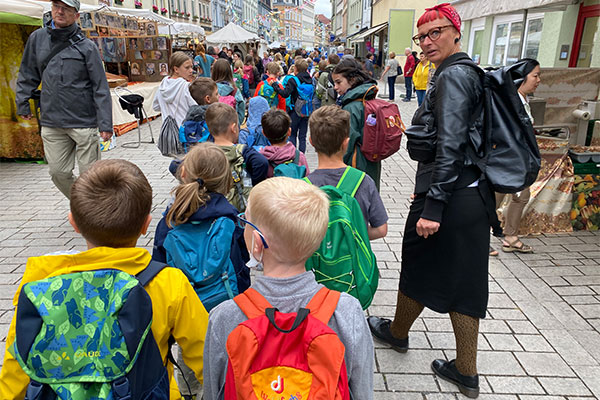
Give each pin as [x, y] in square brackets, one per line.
[533, 37]
[506, 40]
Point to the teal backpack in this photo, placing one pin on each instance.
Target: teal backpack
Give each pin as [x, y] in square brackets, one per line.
[290, 168]
[267, 91]
[86, 335]
[202, 251]
[344, 261]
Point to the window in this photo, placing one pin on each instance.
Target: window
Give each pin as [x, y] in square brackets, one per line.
[506, 39]
[287, 30]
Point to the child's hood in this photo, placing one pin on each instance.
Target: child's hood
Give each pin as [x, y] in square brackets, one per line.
[170, 89]
[277, 154]
[129, 259]
[257, 107]
[217, 206]
[196, 113]
[225, 88]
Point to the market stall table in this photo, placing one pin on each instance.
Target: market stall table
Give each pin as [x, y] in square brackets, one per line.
[122, 120]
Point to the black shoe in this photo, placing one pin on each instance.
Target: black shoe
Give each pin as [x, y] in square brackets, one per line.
[406, 100]
[468, 385]
[380, 328]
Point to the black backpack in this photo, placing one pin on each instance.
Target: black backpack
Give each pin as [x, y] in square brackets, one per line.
[512, 158]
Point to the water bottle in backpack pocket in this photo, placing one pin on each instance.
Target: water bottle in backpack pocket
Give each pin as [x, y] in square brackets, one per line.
[202, 251]
[86, 335]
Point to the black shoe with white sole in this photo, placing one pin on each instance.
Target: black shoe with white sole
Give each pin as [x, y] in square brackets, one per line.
[467, 385]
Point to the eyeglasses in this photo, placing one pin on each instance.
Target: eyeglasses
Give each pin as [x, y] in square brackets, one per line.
[242, 222]
[434, 34]
[65, 9]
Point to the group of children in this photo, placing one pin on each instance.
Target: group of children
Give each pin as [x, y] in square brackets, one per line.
[282, 224]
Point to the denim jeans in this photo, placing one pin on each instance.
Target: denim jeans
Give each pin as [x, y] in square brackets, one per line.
[299, 128]
[408, 83]
[392, 83]
[420, 96]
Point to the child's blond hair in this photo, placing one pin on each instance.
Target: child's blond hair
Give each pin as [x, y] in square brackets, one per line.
[205, 170]
[293, 216]
[110, 203]
[238, 64]
[273, 68]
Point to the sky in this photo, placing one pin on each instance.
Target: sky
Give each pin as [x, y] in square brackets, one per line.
[323, 7]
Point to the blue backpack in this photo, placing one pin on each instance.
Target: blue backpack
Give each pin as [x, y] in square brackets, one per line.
[86, 335]
[304, 103]
[290, 168]
[192, 132]
[254, 138]
[267, 91]
[202, 251]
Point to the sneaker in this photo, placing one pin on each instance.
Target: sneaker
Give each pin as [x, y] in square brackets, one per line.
[380, 328]
[405, 100]
[467, 385]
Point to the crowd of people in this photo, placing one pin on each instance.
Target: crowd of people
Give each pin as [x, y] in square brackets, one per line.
[241, 126]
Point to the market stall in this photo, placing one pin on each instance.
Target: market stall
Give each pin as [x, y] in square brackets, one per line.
[19, 138]
[234, 34]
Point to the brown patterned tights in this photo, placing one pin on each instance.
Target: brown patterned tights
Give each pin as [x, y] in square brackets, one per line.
[465, 328]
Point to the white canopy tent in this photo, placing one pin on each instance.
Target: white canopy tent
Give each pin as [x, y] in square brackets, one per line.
[231, 34]
[180, 28]
[275, 45]
[25, 8]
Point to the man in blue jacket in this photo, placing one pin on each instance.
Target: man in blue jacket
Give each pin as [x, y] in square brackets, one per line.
[75, 100]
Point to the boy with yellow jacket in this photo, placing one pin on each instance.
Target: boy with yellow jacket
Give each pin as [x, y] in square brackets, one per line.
[110, 208]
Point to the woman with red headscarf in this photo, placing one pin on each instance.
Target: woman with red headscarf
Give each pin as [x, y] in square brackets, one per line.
[446, 237]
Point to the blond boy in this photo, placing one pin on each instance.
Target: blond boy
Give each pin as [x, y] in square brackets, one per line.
[291, 219]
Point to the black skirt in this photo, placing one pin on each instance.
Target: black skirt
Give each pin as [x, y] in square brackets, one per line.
[448, 271]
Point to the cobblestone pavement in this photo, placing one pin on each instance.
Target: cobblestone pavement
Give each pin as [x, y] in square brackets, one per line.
[540, 340]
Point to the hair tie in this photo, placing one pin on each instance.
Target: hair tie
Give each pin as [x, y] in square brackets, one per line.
[200, 182]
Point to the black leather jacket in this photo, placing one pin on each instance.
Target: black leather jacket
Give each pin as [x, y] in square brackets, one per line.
[450, 119]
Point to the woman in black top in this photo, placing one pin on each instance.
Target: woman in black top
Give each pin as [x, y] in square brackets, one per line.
[446, 237]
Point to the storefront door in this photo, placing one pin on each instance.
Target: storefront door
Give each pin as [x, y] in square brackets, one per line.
[585, 32]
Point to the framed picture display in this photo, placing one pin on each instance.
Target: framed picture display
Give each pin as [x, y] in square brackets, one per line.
[86, 21]
[151, 29]
[161, 43]
[148, 43]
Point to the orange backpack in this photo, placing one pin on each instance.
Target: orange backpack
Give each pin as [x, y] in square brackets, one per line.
[295, 356]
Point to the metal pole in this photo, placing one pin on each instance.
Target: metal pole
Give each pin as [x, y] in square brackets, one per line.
[522, 42]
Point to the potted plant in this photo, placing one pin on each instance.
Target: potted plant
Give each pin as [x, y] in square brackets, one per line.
[119, 2]
[155, 8]
[163, 11]
[195, 18]
[187, 14]
[138, 4]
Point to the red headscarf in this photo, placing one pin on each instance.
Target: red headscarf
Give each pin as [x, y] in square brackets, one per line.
[439, 11]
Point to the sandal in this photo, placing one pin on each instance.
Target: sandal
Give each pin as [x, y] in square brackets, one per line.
[517, 246]
[493, 252]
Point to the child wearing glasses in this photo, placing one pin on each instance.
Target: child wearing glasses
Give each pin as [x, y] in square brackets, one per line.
[287, 220]
[200, 198]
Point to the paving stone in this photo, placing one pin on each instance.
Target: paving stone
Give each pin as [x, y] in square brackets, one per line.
[414, 361]
[590, 375]
[534, 343]
[498, 363]
[569, 348]
[411, 383]
[565, 314]
[544, 364]
[503, 342]
[514, 385]
[564, 386]
[522, 327]
[589, 340]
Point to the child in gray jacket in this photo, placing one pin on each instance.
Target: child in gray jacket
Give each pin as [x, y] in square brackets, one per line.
[285, 222]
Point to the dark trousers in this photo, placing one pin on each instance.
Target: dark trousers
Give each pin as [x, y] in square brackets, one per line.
[299, 128]
[392, 83]
[408, 83]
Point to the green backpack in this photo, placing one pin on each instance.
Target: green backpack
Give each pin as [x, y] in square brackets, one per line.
[86, 335]
[344, 260]
[238, 194]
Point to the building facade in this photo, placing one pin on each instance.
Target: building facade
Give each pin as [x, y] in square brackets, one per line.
[264, 20]
[290, 22]
[250, 15]
[225, 11]
[308, 25]
[322, 31]
[557, 34]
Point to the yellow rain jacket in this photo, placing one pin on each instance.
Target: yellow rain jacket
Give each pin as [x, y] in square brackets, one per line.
[421, 74]
[177, 310]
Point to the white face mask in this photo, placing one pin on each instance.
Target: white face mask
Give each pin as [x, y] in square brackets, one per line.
[253, 263]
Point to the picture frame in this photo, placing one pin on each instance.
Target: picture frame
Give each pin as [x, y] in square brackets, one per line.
[151, 29]
[150, 69]
[136, 69]
[163, 69]
[86, 21]
[148, 43]
[161, 43]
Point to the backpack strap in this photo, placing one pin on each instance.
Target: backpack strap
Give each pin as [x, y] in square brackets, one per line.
[297, 157]
[364, 98]
[305, 179]
[323, 304]
[252, 303]
[350, 181]
[150, 272]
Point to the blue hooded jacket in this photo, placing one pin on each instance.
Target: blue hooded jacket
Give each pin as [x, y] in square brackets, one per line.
[217, 206]
[257, 107]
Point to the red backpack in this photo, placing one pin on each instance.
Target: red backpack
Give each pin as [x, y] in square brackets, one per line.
[273, 355]
[383, 128]
[249, 73]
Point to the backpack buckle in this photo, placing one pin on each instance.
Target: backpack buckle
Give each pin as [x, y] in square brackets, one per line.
[34, 390]
[121, 389]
